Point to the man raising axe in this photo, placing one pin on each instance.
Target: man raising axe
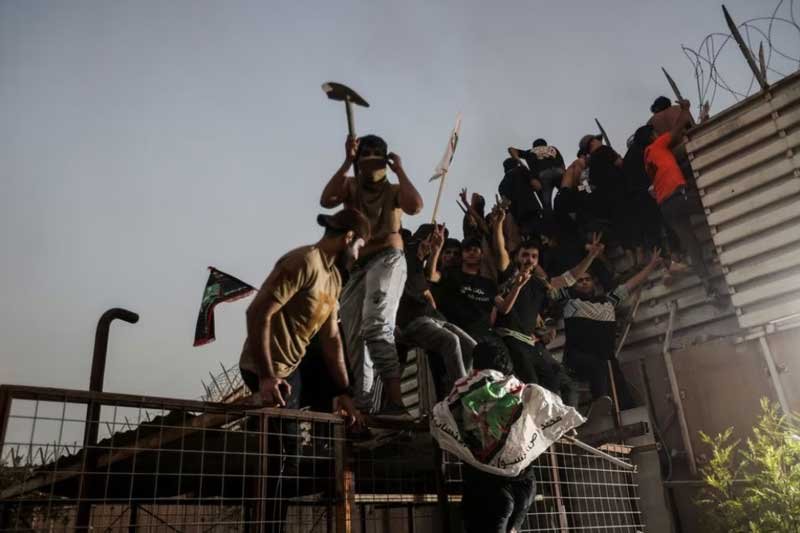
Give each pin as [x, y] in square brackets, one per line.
[371, 297]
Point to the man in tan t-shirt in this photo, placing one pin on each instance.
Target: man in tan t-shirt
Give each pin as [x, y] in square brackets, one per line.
[298, 300]
[372, 294]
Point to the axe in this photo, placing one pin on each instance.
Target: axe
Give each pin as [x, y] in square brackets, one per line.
[603, 133]
[677, 92]
[343, 93]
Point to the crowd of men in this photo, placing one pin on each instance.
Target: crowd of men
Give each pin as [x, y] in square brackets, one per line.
[334, 320]
[539, 255]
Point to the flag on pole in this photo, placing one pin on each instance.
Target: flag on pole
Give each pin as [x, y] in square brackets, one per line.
[220, 287]
[447, 158]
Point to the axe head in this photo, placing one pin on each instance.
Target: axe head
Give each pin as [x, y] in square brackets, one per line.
[343, 93]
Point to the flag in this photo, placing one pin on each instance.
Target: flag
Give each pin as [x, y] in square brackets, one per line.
[220, 287]
[447, 158]
[498, 424]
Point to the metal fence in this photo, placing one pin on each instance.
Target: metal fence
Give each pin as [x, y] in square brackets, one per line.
[159, 464]
[575, 491]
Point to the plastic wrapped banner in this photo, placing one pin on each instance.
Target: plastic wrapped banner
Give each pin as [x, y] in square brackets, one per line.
[498, 424]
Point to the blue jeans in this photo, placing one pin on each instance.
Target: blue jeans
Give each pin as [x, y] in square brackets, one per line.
[368, 309]
[445, 340]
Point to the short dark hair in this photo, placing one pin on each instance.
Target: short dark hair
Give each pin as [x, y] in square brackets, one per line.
[643, 136]
[660, 104]
[471, 242]
[451, 243]
[530, 242]
[491, 354]
[539, 142]
[371, 141]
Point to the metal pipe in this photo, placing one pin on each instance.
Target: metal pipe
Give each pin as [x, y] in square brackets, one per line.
[773, 374]
[599, 453]
[101, 344]
[676, 392]
[91, 427]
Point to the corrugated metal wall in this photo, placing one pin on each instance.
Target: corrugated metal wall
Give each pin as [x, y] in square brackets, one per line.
[748, 173]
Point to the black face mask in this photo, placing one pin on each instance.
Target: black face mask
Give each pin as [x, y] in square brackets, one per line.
[372, 167]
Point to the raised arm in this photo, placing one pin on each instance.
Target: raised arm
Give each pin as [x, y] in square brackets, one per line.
[572, 175]
[504, 303]
[335, 192]
[499, 239]
[408, 199]
[595, 249]
[641, 276]
[685, 117]
[473, 213]
[437, 243]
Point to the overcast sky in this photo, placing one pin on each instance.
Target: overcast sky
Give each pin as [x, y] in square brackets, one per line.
[142, 141]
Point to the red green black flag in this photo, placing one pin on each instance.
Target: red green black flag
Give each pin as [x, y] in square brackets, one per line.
[221, 287]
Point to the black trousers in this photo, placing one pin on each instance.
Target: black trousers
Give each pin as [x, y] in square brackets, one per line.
[535, 364]
[594, 369]
[300, 454]
[495, 504]
[677, 211]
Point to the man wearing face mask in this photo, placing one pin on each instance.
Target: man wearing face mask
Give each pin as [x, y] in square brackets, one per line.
[371, 297]
[297, 301]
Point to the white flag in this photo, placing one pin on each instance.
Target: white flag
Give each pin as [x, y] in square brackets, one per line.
[447, 158]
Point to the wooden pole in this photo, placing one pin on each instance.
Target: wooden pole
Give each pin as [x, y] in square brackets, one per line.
[438, 198]
[675, 389]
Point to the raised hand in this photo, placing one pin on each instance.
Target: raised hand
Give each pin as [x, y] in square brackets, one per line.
[522, 277]
[437, 237]
[394, 162]
[655, 258]
[463, 196]
[596, 247]
[350, 148]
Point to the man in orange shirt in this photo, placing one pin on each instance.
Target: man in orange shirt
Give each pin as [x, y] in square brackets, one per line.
[670, 190]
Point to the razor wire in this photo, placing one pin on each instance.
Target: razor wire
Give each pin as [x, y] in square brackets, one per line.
[773, 32]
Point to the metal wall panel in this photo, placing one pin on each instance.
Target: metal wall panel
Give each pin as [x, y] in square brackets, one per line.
[747, 165]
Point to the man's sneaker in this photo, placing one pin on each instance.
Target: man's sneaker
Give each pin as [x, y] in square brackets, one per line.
[676, 267]
[394, 412]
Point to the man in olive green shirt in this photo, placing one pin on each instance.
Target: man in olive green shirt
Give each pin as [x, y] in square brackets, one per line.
[299, 300]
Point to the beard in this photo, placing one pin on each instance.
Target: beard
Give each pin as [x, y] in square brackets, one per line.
[346, 259]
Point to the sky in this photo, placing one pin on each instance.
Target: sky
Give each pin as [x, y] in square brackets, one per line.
[141, 142]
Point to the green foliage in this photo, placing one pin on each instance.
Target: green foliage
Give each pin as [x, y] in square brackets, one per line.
[754, 488]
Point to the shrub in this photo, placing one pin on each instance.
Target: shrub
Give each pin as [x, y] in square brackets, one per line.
[754, 488]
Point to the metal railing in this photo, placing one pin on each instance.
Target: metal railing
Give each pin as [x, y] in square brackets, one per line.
[161, 464]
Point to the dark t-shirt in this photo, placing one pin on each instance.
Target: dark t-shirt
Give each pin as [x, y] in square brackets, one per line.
[413, 303]
[608, 182]
[590, 323]
[466, 300]
[531, 300]
[636, 178]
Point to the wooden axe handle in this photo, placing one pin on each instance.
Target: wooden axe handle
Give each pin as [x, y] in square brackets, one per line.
[348, 105]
